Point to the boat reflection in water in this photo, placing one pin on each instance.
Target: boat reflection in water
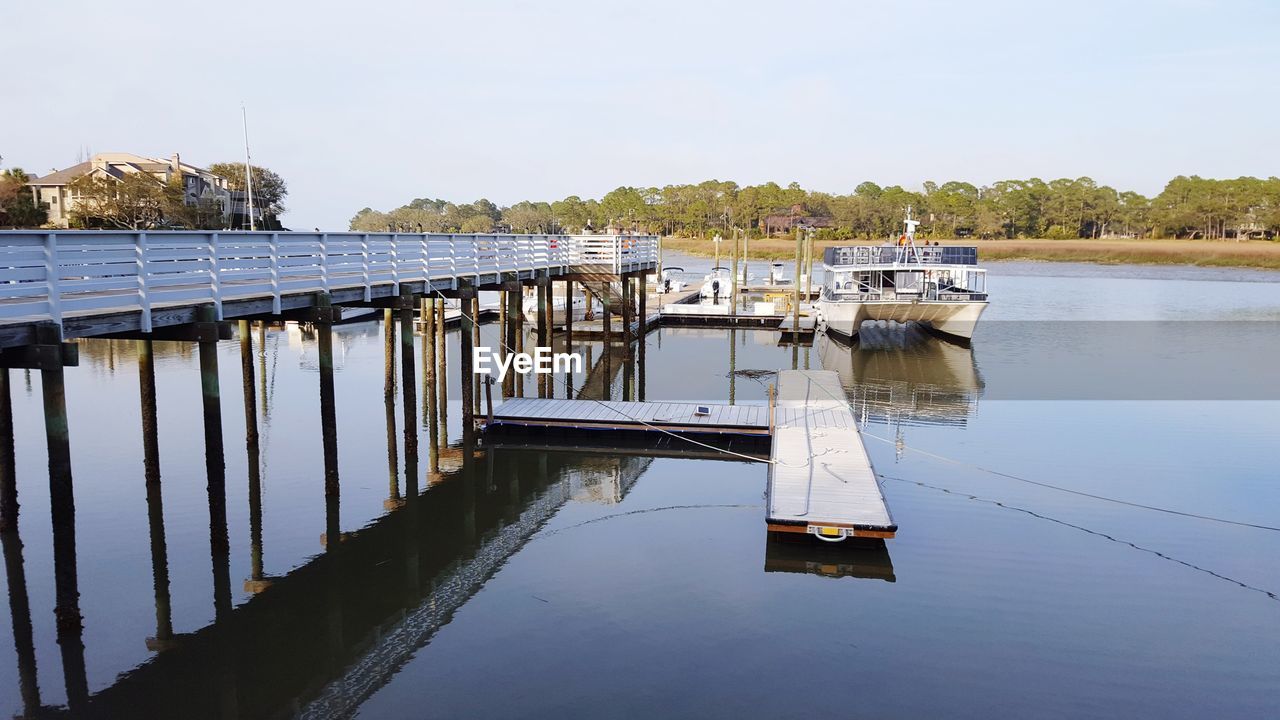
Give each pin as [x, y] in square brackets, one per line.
[903, 375]
[788, 553]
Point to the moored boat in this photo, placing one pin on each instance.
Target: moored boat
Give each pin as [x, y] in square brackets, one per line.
[940, 287]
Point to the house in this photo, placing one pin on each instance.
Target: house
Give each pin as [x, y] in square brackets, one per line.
[199, 185]
[799, 215]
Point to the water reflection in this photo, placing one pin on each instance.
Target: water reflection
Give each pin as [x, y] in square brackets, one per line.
[905, 376]
[787, 553]
[327, 634]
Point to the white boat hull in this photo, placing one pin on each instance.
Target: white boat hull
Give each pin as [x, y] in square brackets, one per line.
[957, 319]
[557, 311]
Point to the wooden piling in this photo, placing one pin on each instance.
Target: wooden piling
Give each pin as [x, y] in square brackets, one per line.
[733, 281]
[466, 292]
[510, 298]
[543, 289]
[568, 315]
[475, 342]
[442, 373]
[627, 310]
[431, 413]
[389, 406]
[407, 386]
[644, 331]
[262, 369]
[211, 398]
[246, 374]
[328, 411]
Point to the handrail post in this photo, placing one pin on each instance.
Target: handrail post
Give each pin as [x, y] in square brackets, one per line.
[453, 262]
[215, 281]
[142, 269]
[51, 278]
[275, 273]
[395, 261]
[426, 264]
[324, 262]
[364, 266]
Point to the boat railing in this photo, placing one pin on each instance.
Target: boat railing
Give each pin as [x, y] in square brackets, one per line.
[901, 254]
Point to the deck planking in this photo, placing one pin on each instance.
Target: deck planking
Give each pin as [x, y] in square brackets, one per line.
[618, 414]
[821, 480]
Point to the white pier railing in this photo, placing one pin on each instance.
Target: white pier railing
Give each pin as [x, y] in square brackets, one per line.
[46, 276]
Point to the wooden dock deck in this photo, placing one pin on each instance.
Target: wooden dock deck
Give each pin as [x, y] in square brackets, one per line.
[821, 481]
[638, 416]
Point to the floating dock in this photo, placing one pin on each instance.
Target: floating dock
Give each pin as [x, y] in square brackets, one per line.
[632, 416]
[820, 479]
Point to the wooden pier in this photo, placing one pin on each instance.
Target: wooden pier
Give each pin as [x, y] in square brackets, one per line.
[820, 477]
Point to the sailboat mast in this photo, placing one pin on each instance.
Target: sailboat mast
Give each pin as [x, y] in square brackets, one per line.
[248, 172]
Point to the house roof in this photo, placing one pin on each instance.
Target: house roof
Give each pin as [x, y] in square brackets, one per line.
[62, 177]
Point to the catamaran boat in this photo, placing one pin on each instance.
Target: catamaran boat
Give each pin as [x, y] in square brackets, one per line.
[716, 284]
[940, 288]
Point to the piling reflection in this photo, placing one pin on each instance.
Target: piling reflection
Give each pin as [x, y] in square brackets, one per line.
[383, 591]
[20, 614]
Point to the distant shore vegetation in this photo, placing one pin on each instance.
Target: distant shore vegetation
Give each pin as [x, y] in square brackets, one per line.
[1065, 209]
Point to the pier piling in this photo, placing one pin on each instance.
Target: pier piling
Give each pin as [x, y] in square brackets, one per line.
[407, 386]
[466, 292]
[443, 373]
[328, 411]
[431, 413]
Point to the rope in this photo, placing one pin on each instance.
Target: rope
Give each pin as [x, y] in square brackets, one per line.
[1059, 488]
[1112, 538]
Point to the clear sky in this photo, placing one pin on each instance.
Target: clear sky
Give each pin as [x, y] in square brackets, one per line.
[376, 103]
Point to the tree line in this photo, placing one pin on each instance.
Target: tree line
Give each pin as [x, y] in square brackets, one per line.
[1188, 207]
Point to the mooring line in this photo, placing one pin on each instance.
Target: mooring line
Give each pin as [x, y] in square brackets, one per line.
[602, 518]
[1059, 488]
[1270, 594]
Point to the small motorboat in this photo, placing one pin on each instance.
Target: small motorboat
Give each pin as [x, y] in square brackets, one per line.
[670, 281]
[716, 284]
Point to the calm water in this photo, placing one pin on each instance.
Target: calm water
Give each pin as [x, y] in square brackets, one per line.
[561, 583]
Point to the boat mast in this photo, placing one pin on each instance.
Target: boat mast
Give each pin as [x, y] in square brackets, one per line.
[910, 234]
[248, 172]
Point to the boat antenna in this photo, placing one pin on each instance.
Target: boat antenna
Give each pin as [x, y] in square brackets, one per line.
[248, 170]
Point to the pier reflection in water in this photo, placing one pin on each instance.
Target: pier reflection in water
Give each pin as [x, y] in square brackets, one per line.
[380, 585]
[340, 620]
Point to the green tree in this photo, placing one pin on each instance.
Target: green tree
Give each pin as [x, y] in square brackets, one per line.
[136, 201]
[17, 206]
[269, 189]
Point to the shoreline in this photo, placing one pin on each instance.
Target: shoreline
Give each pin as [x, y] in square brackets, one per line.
[1252, 254]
